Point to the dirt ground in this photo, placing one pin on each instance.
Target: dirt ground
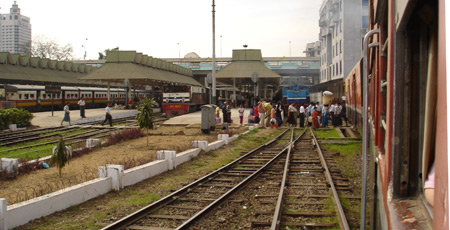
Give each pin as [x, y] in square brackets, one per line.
[130, 153]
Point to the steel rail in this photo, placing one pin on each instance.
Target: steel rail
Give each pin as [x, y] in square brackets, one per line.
[139, 214]
[230, 192]
[342, 219]
[277, 215]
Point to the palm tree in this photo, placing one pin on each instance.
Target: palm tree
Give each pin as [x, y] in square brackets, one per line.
[145, 117]
[61, 156]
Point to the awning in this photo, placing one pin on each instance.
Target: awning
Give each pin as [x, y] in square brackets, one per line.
[140, 70]
[245, 65]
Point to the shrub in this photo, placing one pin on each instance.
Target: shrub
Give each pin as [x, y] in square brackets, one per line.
[21, 117]
[124, 135]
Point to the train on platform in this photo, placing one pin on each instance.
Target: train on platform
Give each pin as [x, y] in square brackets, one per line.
[299, 94]
[398, 92]
[34, 97]
[178, 100]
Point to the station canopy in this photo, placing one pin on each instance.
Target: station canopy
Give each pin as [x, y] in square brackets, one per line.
[245, 65]
[141, 69]
[24, 69]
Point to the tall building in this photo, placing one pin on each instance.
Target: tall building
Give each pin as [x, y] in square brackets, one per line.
[312, 49]
[343, 24]
[15, 33]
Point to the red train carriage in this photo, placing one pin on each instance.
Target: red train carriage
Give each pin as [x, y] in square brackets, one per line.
[179, 100]
[403, 76]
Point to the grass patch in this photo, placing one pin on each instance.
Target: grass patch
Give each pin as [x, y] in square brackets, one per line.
[100, 211]
[326, 133]
[346, 149]
[143, 199]
[30, 153]
[199, 164]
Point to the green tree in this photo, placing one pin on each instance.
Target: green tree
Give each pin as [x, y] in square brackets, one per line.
[145, 117]
[61, 156]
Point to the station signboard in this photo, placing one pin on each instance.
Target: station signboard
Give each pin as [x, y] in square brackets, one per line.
[53, 89]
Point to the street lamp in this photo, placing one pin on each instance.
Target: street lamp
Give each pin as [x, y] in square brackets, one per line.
[290, 49]
[213, 53]
[179, 53]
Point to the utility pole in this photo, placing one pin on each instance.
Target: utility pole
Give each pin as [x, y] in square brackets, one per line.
[214, 53]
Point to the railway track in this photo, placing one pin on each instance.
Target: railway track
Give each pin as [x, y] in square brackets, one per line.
[193, 199]
[295, 193]
[75, 135]
[281, 187]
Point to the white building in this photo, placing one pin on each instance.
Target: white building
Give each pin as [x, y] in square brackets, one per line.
[312, 49]
[15, 33]
[343, 24]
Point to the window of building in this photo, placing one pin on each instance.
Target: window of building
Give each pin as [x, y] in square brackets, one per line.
[336, 49]
[340, 25]
[365, 2]
[340, 46]
[365, 22]
[340, 64]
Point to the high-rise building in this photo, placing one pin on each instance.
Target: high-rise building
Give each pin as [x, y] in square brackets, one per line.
[343, 24]
[312, 49]
[15, 32]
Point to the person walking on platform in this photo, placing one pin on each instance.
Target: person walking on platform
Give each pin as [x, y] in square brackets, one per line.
[82, 105]
[332, 110]
[262, 114]
[315, 118]
[292, 114]
[108, 115]
[256, 114]
[268, 109]
[278, 110]
[302, 116]
[225, 113]
[66, 114]
[241, 113]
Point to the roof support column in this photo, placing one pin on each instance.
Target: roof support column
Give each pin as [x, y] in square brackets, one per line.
[234, 90]
[265, 90]
[109, 91]
[213, 80]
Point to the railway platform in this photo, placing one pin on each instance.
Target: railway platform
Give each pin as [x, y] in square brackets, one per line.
[45, 119]
[195, 118]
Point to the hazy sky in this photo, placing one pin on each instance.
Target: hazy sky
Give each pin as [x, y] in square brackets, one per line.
[156, 27]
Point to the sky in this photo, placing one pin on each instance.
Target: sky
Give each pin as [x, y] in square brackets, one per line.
[173, 28]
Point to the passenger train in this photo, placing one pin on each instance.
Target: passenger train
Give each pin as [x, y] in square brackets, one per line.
[34, 97]
[298, 94]
[178, 100]
[397, 95]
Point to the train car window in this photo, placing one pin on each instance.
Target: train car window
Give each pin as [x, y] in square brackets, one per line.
[20, 96]
[44, 96]
[32, 96]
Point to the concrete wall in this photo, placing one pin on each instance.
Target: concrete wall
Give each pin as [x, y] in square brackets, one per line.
[21, 213]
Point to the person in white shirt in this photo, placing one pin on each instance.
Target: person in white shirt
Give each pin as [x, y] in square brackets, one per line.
[302, 116]
[241, 113]
[108, 115]
[82, 105]
[66, 114]
[332, 110]
[292, 114]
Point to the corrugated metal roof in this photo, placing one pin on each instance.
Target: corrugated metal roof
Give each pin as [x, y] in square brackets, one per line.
[21, 73]
[117, 72]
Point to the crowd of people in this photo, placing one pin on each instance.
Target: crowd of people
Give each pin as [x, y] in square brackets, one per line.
[275, 114]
